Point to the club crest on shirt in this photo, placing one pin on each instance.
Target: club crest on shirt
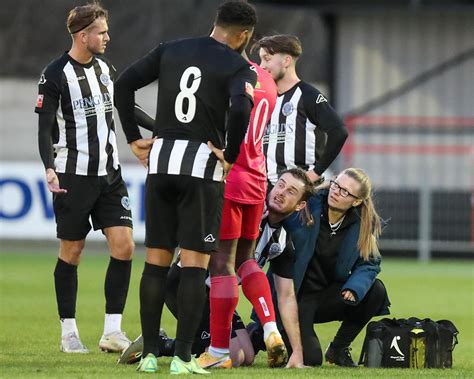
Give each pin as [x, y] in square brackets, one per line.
[126, 203]
[287, 108]
[105, 79]
[42, 79]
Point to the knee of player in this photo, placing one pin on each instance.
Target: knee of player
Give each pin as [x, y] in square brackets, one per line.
[124, 250]
[221, 268]
[70, 251]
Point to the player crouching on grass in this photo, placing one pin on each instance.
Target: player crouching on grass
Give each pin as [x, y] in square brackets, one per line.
[334, 266]
[290, 194]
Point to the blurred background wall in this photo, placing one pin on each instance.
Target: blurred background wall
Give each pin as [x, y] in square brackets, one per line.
[400, 72]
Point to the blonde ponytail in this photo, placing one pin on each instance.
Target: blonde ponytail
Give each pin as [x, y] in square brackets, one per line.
[370, 225]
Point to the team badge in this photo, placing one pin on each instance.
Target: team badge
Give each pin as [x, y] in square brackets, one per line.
[42, 79]
[39, 101]
[126, 203]
[105, 79]
[287, 108]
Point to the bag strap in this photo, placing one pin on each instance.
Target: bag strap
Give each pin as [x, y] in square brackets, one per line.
[451, 328]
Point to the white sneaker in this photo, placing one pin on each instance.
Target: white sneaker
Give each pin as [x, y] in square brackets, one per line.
[71, 343]
[114, 342]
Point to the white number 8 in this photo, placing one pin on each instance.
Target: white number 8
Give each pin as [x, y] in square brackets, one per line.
[187, 93]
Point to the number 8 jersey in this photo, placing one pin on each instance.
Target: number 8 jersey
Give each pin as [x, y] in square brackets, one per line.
[196, 79]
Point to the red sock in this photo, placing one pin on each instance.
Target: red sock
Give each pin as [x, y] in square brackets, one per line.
[256, 288]
[224, 297]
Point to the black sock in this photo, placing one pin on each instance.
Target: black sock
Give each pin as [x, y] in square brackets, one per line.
[65, 282]
[191, 298]
[116, 285]
[152, 299]
[172, 283]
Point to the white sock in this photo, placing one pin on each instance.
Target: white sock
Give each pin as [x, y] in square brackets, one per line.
[68, 325]
[112, 323]
[268, 328]
[218, 352]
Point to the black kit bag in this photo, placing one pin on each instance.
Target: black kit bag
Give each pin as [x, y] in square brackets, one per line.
[413, 342]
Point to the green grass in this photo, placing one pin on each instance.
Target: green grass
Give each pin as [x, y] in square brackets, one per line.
[29, 327]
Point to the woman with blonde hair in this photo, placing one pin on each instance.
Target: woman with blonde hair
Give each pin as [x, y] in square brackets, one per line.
[334, 265]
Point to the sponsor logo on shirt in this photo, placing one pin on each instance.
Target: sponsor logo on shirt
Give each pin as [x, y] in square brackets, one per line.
[278, 133]
[94, 104]
[39, 101]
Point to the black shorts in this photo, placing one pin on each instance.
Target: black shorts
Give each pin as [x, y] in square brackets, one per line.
[102, 198]
[183, 210]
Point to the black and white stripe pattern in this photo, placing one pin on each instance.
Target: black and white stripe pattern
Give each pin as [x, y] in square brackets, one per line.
[289, 139]
[87, 141]
[271, 243]
[183, 157]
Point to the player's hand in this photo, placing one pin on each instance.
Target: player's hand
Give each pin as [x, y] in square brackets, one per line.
[53, 182]
[312, 176]
[220, 155]
[141, 148]
[348, 295]
[296, 361]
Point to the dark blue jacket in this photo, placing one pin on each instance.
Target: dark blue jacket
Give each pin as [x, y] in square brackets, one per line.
[352, 271]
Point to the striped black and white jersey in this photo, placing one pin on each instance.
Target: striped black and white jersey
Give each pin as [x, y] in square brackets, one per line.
[272, 241]
[197, 77]
[82, 98]
[304, 131]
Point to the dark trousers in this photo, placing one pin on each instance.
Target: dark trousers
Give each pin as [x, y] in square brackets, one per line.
[328, 305]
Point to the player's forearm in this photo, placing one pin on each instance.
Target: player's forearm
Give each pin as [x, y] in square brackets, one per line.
[125, 87]
[288, 308]
[336, 138]
[237, 124]
[45, 145]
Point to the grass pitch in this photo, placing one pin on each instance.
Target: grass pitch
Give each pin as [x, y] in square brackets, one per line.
[30, 331]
